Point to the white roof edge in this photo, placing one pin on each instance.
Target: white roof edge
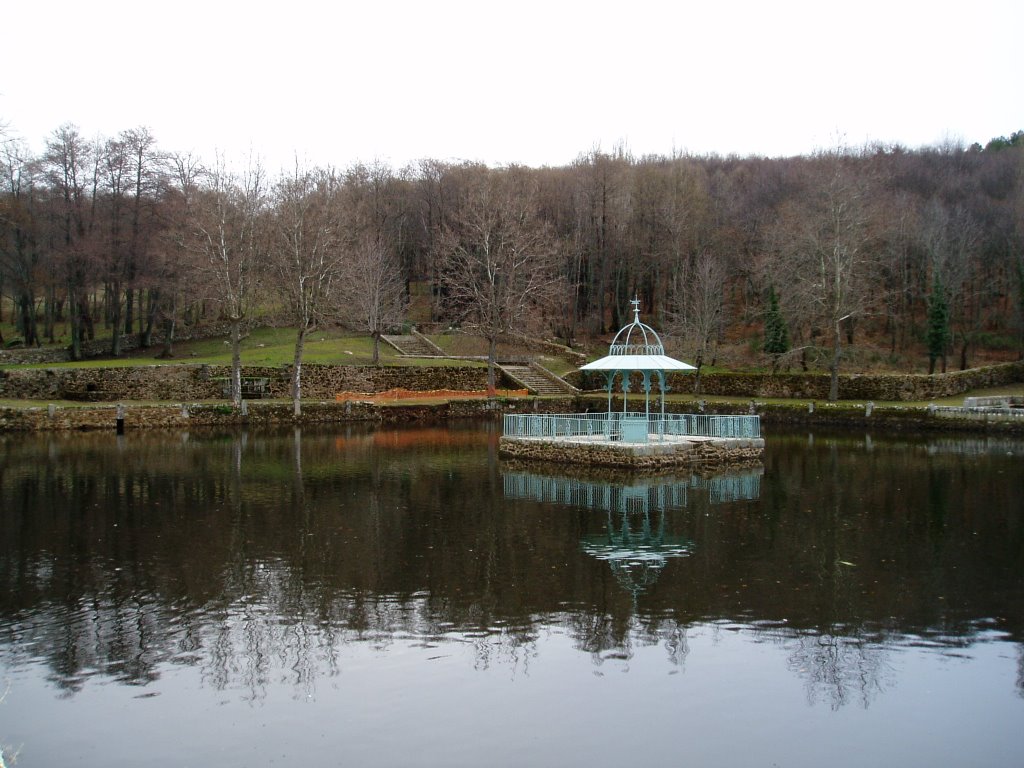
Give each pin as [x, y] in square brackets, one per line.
[638, 363]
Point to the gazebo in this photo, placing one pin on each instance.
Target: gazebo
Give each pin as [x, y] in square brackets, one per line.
[637, 347]
[623, 438]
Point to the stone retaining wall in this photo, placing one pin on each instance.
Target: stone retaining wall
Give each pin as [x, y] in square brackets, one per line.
[815, 386]
[137, 416]
[322, 382]
[206, 382]
[104, 417]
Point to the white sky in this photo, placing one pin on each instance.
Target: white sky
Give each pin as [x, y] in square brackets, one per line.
[523, 81]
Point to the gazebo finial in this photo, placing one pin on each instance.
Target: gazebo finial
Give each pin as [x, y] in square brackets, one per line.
[636, 347]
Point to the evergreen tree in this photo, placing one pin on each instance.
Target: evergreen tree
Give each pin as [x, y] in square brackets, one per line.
[938, 335]
[776, 334]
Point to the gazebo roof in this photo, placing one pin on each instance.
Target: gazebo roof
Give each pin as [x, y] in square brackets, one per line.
[637, 347]
[638, 363]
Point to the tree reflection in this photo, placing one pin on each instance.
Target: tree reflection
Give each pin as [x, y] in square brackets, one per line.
[839, 668]
[258, 557]
[1020, 671]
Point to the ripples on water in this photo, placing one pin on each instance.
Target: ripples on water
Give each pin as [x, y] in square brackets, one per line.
[403, 597]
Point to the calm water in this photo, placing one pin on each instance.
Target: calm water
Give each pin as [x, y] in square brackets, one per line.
[405, 598]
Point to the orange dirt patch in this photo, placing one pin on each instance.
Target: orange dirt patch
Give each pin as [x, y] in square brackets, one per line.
[433, 394]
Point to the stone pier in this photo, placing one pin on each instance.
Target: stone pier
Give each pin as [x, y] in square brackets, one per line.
[673, 451]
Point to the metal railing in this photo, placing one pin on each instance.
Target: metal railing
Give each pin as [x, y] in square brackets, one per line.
[631, 427]
[658, 495]
[1011, 414]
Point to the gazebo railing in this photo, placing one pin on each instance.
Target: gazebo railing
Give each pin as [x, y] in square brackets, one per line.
[705, 425]
[630, 427]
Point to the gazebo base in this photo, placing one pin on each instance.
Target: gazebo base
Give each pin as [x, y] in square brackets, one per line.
[672, 451]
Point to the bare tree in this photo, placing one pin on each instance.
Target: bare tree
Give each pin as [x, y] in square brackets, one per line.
[500, 264]
[229, 228]
[950, 238]
[602, 208]
[698, 295]
[825, 261]
[20, 255]
[115, 174]
[72, 172]
[373, 290]
[148, 180]
[307, 254]
[373, 293]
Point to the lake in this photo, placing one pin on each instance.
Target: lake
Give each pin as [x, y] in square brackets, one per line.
[404, 597]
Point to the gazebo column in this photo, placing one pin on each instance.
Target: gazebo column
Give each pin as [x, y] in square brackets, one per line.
[610, 385]
[625, 389]
[647, 395]
[663, 387]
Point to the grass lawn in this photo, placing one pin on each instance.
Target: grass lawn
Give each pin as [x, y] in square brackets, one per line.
[465, 345]
[265, 347]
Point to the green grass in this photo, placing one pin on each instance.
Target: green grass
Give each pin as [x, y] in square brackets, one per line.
[271, 347]
[466, 345]
[275, 347]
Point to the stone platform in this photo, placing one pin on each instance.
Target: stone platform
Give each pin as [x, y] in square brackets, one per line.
[658, 453]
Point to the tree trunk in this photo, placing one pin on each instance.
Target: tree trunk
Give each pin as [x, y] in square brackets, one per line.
[300, 346]
[129, 309]
[168, 338]
[87, 321]
[376, 347]
[48, 313]
[696, 380]
[28, 319]
[837, 351]
[74, 310]
[115, 316]
[236, 361]
[153, 298]
[492, 356]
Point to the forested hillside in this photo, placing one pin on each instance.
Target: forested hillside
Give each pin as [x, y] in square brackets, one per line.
[917, 255]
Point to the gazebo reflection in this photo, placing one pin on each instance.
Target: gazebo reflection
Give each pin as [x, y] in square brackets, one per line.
[636, 541]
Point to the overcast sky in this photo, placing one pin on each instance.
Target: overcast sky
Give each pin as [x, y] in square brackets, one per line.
[531, 82]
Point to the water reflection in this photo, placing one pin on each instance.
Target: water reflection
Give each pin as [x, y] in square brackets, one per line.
[635, 541]
[257, 558]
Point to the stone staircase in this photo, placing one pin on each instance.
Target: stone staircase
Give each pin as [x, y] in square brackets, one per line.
[412, 345]
[539, 382]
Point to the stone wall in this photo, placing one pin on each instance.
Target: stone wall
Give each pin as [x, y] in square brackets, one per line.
[186, 383]
[815, 386]
[139, 416]
[705, 452]
[104, 417]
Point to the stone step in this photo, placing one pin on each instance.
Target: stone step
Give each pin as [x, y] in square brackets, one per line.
[535, 381]
[411, 345]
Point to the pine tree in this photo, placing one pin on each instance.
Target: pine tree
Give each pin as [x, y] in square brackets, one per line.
[776, 334]
[938, 335]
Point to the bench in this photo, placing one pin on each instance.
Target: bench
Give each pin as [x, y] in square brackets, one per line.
[253, 387]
